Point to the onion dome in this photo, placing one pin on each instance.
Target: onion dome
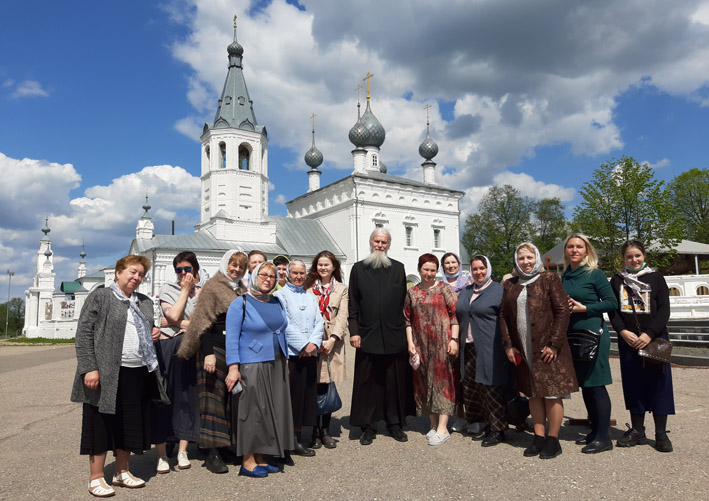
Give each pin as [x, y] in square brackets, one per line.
[313, 157]
[235, 49]
[83, 252]
[382, 168]
[48, 253]
[146, 207]
[46, 229]
[373, 131]
[428, 148]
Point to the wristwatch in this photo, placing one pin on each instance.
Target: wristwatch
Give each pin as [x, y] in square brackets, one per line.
[455, 339]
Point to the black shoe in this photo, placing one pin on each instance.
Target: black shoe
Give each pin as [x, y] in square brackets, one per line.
[481, 434]
[585, 440]
[632, 437]
[662, 442]
[536, 447]
[228, 455]
[367, 437]
[493, 438]
[552, 448]
[301, 450]
[397, 433]
[316, 441]
[285, 460]
[215, 463]
[597, 446]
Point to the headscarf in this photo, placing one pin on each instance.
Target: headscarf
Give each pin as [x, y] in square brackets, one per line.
[224, 268]
[527, 278]
[630, 279]
[462, 277]
[253, 284]
[323, 292]
[146, 350]
[478, 287]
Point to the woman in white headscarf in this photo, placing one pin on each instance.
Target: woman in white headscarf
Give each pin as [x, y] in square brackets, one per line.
[533, 321]
[205, 338]
[487, 373]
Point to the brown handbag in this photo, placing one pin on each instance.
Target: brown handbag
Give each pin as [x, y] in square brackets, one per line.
[659, 350]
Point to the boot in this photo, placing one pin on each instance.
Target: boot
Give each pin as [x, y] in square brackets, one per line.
[300, 449]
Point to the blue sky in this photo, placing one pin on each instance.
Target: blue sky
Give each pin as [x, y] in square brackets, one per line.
[100, 102]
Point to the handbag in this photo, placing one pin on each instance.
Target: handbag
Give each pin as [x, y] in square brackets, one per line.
[584, 344]
[160, 397]
[659, 350]
[330, 401]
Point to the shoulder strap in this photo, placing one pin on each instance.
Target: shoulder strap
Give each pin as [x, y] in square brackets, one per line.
[632, 305]
[243, 310]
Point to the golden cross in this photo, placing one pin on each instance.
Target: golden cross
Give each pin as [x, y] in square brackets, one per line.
[369, 75]
[234, 21]
[358, 88]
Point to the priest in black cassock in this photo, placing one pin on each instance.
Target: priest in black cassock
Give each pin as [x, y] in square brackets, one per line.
[383, 382]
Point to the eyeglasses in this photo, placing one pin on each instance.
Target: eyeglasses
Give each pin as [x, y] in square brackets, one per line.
[186, 269]
[266, 276]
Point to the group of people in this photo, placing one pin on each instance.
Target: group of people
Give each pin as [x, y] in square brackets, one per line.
[236, 363]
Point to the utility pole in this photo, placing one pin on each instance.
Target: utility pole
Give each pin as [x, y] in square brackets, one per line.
[7, 305]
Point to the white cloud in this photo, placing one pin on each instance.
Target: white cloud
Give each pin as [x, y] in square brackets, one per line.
[664, 162]
[29, 88]
[190, 127]
[280, 199]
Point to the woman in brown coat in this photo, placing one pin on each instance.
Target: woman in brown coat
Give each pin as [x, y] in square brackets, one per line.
[325, 281]
[533, 320]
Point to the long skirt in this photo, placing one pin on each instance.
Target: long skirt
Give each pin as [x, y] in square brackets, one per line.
[214, 403]
[129, 428]
[303, 390]
[483, 403]
[179, 421]
[263, 409]
[382, 389]
[648, 388]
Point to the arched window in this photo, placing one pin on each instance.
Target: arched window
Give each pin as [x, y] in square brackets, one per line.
[436, 238]
[674, 291]
[244, 157]
[702, 290]
[409, 236]
[222, 152]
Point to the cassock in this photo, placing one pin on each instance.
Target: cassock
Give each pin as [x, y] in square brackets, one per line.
[383, 383]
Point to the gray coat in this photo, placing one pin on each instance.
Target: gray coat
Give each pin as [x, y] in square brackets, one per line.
[99, 346]
[491, 366]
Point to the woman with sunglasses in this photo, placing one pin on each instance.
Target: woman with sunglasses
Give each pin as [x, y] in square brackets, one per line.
[181, 419]
[256, 352]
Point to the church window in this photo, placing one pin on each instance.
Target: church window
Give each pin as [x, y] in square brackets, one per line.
[409, 236]
[227, 100]
[222, 152]
[206, 151]
[436, 238]
[674, 291]
[379, 225]
[702, 291]
[374, 161]
[241, 100]
[244, 155]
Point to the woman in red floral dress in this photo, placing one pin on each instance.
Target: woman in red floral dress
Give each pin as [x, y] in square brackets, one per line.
[432, 333]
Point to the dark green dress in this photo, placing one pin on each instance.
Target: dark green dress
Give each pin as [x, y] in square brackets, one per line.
[591, 288]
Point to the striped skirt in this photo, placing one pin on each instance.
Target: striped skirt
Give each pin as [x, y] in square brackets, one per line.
[214, 403]
[483, 403]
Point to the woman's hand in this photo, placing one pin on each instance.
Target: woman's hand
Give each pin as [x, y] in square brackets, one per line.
[91, 380]
[163, 322]
[232, 377]
[642, 341]
[412, 348]
[327, 346]
[210, 363]
[629, 337]
[576, 307]
[309, 350]
[155, 334]
[512, 355]
[452, 348]
[355, 341]
[187, 282]
[549, 354]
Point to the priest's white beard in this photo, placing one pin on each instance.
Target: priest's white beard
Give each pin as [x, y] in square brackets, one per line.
[378, 259]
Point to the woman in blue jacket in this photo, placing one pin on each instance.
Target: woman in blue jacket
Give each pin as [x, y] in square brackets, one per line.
[304, 337]
[256, 353]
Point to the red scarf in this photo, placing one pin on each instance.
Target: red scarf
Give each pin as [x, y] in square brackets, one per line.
[324, 293]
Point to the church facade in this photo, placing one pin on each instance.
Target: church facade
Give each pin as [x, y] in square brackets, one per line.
[420, 215]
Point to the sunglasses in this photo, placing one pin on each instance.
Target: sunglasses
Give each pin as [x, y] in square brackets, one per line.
[186, 269]
[265, 276]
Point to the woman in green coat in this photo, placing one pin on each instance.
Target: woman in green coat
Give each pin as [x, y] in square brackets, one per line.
[590, 295]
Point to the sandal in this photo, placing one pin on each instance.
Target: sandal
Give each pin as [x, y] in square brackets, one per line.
[126, 479]
[99, 488]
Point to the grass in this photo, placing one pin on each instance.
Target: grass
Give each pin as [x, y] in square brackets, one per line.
[38, 340]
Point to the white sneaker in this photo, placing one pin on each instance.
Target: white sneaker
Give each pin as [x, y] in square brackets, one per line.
[183, 462]
[430, 433]
[163, 465]
[438, 439]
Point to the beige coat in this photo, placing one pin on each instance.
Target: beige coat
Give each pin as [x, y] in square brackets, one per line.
[336, 327]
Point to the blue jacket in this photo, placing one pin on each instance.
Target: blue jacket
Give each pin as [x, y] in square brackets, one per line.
[305, 323]
[250, 340]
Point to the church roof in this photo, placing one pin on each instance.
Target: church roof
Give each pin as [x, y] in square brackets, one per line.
[235, 109]
[296, 237]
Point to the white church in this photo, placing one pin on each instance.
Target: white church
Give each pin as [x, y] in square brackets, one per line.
[420, 215]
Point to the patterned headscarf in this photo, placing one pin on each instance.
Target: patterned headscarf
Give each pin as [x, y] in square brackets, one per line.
[537, 265]
[462, 277]
[224, 268]
[253, 284]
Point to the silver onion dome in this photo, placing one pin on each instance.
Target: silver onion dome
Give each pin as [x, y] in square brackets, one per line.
[235, 49]
[313, 157]
[373, 132]
[428, 148]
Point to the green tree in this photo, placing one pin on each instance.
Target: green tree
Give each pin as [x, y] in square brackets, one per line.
[690, 195]
[501, 222]
[16, 321]
[623, 200]
[550, 225]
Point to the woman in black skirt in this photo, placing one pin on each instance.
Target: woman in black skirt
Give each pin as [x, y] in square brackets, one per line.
[115, 377]
[644, 301]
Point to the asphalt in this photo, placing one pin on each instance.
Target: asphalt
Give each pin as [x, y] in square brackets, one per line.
[39, 453]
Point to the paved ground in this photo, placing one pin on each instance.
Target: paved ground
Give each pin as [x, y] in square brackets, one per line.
[39, 442]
